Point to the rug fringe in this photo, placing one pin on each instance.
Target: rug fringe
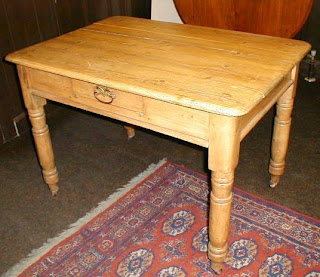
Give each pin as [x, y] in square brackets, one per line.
[37, 253]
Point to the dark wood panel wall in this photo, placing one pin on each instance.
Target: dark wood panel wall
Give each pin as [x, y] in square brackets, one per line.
[311, 30]
[26, 22]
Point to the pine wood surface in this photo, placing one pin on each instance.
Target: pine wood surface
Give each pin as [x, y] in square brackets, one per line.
[213, 70]
[281, 18]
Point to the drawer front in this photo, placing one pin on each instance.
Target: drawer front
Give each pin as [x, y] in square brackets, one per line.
[123, 100]
[57, 87]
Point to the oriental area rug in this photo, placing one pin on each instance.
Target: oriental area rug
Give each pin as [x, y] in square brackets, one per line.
[157, 226]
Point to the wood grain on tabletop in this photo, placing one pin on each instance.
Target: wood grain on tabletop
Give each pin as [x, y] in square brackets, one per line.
[213, 70]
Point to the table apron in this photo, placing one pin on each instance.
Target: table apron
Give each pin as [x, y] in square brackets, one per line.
[181, 122]
[249, 120]
[170, 119]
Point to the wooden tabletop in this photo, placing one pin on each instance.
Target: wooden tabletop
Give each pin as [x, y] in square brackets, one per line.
[214, 70]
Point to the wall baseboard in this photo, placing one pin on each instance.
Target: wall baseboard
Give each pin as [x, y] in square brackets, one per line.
[21, 123]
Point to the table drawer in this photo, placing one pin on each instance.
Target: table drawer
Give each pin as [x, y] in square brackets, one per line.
[55, 87]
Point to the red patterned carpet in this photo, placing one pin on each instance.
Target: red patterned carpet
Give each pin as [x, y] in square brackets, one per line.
[159, 228]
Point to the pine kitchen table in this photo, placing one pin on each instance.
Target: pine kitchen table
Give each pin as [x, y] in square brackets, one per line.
[206, 86]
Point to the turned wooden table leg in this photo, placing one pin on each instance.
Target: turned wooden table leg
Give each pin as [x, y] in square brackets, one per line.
[130, 131]
[224, 149]
[40, 131]
[43, 144]
[281, 132]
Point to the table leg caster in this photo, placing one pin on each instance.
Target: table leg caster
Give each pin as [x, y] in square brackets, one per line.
[51, 178]
[130, 132]
[54, 189]
[275, 179]
[216, 267]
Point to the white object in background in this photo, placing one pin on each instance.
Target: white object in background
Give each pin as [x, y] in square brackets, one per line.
[164, 10]
[310, 78]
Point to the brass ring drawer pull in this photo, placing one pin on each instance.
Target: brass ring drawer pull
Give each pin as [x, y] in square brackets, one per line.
[103, 94]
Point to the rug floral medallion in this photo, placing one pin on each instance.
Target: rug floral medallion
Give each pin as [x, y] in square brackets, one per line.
[160, 228]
